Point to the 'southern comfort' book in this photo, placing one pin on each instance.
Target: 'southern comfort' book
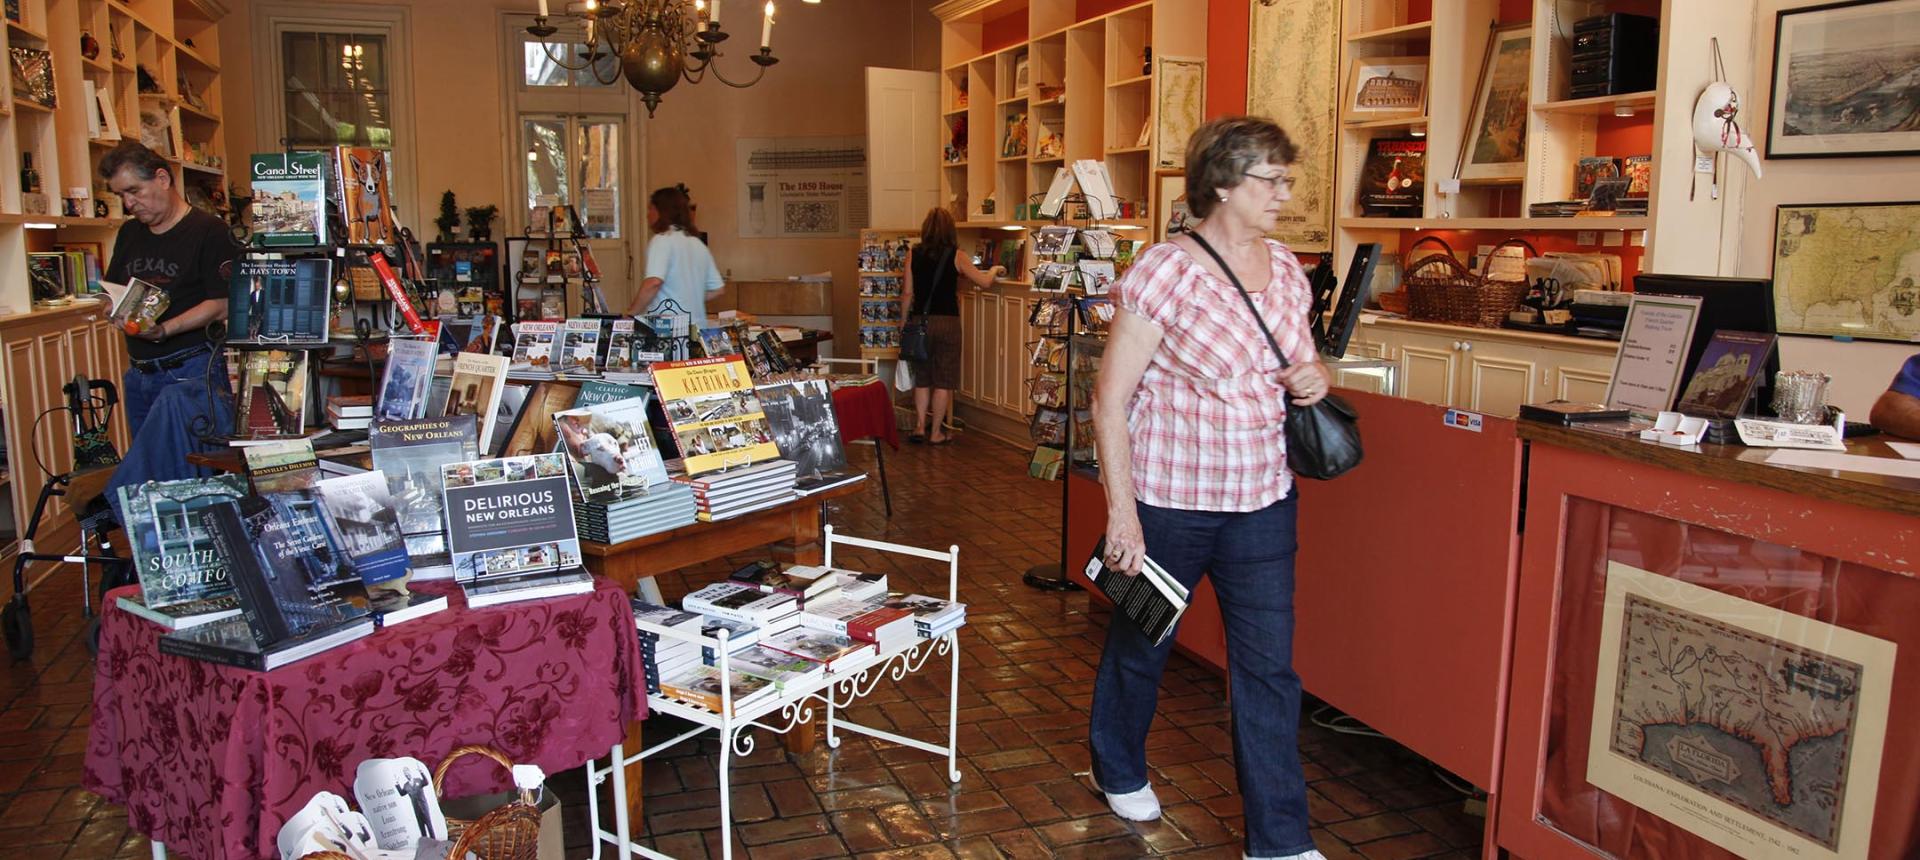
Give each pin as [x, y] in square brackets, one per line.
[173, 555]
[1153, 600]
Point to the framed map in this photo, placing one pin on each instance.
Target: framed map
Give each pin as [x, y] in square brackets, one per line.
[1848, 269]
[1755, 729]
[1843, 80]
[1293, 78]
[1181, 84]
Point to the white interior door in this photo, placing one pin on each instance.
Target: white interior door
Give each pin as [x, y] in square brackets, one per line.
[579, 160]
[903, 122]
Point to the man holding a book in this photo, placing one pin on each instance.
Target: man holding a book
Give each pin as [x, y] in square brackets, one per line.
[186, 255]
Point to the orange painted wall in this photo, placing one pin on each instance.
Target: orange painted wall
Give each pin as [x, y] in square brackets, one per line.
[1515, 11]
[1620, 136]
[1227, 24]
[1004, 31]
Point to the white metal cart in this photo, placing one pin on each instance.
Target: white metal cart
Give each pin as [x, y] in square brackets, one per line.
[782, 712]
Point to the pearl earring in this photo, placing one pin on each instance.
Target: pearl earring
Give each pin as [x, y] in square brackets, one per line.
[1223, 196]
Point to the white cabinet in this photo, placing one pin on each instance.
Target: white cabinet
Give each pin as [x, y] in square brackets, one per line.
[1491, 371]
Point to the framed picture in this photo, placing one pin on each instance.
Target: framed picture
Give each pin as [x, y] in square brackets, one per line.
[1170, 211]
[1020, 75]
[1497, 135]
[1180, 92]
[1841, 80]
[1848, 269]
[1383, 87]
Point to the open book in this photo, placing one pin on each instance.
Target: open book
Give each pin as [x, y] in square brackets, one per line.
[1153, 599]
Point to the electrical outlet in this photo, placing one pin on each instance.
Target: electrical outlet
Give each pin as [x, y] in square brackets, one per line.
[1637, 238]
[1586, 237]
[1612, 239]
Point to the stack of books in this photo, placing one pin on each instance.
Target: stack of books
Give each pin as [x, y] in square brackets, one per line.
[738, 602]
[665, 507]
[784, 670]
[831, 651]
[350, 411]
[932, 617]
[888, 627]
[806, 583]
[723, 495]
[663, 654]
[701, 685]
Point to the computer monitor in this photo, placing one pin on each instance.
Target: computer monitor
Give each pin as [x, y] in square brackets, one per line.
[1332, 331]
[1727, 304]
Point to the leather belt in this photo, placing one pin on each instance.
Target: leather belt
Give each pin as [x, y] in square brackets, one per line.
[169, 362]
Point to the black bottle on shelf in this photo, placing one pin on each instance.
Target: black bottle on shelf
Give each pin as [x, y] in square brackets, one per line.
[29, 177]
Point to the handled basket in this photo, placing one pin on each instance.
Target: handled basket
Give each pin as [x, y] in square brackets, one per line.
[1436, 283]
[510, 832]
[1497, 297]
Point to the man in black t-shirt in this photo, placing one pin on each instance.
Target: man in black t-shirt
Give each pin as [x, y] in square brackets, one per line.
[189, 253]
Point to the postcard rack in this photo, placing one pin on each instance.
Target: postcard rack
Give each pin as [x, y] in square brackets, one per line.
[791, 707]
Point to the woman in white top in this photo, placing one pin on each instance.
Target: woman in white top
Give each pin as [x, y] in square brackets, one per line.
[679, 266]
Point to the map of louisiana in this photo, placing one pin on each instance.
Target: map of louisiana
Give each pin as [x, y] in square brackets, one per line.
[1754, 728]
[1848, 270]
[1751, 720]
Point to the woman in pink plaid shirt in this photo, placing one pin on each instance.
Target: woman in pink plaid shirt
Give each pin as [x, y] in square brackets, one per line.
[1188, 412]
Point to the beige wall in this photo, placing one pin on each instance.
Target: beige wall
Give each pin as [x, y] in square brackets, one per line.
[1860, 371]
[816, 90]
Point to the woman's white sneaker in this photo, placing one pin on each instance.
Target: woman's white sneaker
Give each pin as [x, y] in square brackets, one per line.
[1310, 855]
[1137, 805]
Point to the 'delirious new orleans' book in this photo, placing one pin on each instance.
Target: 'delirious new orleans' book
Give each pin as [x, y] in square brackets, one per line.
[410, 454]
[296, 598]
[279, 301]
[509, 517]
[289, 199]
[173, 556]
[271, 391]
[717, 421]
[1393, 180]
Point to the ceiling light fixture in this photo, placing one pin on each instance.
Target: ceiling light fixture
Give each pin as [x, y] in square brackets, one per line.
[657, 42]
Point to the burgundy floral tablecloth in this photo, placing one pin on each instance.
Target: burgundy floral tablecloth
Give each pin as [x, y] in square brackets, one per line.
[211, 759]
[866, 412]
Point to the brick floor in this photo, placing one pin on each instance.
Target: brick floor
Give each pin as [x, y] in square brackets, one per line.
[1027, 665]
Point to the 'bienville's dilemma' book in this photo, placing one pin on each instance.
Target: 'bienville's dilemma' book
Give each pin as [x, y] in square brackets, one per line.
[289, 194]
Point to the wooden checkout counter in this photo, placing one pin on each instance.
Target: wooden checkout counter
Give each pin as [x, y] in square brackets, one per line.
[1451, 594]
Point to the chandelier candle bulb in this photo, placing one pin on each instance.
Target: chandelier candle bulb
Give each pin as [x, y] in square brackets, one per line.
[543, 8]
[713, 13]
[766, 27]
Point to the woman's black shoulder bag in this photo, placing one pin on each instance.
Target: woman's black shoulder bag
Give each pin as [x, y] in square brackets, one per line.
[914, 344]
[1323, 440]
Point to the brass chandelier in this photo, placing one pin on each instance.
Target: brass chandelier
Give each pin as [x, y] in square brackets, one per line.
[658, 42]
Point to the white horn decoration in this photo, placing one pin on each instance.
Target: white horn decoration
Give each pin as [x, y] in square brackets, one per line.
[1715, 128]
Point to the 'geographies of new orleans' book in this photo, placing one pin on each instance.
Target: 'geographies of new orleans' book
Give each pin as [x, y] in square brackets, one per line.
[410, 454]
[289, 194]
[173, 555]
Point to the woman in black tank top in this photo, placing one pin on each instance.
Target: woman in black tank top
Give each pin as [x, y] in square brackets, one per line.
[934, 270]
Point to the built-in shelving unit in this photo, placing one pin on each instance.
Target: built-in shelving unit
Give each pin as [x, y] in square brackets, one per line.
[1561, 130]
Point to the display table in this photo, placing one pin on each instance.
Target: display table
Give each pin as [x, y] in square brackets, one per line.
[213, 759]
[791, 708]
[1739, 553]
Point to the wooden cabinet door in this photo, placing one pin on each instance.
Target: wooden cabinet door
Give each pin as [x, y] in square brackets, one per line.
[1581, 377]
[1364, 345]
[1429, 367]
[987, 343]
[969, 372]
[1500, 376]
[1016, 338]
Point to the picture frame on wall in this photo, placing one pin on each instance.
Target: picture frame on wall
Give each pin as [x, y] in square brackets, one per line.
[1847, 270]
[1180, 94]
[1387, 87]
[1170, 213]
[1842, 80]
[1496, 145]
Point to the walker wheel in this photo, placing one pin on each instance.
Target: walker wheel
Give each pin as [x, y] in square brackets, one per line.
[16, 620]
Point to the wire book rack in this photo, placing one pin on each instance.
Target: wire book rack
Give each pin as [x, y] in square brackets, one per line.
[799, 702]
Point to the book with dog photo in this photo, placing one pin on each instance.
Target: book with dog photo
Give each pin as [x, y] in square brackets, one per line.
[611, 448]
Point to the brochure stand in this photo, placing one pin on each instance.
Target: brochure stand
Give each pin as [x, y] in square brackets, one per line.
[786, 709]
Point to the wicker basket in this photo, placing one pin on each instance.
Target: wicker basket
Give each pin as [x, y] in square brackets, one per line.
[1498, 297]
[510, 832]
[1438, 286]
